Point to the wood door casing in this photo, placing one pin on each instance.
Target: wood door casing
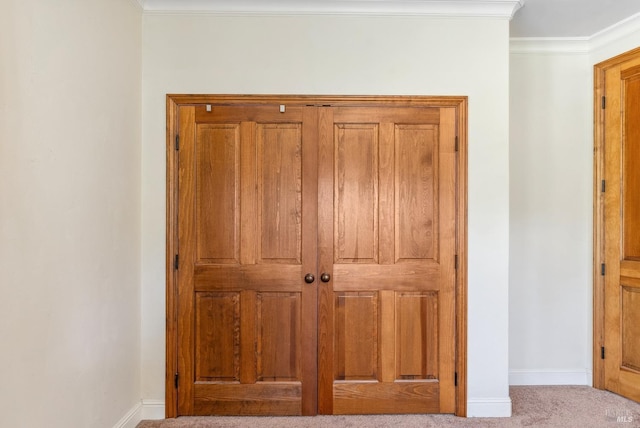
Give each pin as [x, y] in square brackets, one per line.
[387, 238]
[243, 363]
[617, 227]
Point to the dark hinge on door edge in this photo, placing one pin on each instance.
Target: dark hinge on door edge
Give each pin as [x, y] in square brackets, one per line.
[603, 186]
[455, 379]
[456, 143]
[602, 352]
[175, 380]
[177, 142]
[602, 269]
[176, 262]
[604, 102]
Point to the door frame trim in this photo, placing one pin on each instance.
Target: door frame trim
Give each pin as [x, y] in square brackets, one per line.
[174, 101]
[598, 210]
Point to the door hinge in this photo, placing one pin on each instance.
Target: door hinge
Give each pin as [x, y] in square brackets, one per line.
[456, 143]
[455, 262]
[604, 102]
[177, 142]
[175, 380]
[603, 186]
[176, 261]
[602, 352]
[455, 379]
[602, 269]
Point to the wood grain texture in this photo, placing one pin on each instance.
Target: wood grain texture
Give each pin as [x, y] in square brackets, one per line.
[278, 343]
[356, 193]
[248, 333]
[309, 323]
[282, 398]
[171, 357]
[356, 336]
[240, 194]
[379, 398]
[619, 226]
[326, 313]
[631, 171]
[461, 118]
[447, 252]
[602, 134]
[417, 336]
[419, 222]
[416, 195]
[217, 183]
[217, 336]
[318, 299]
[280, 193]
[187, 251]
[630, 327]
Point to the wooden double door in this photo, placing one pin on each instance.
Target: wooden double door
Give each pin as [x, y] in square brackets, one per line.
[313, 252]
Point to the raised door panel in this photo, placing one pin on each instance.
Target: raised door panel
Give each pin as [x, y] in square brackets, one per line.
[218, 192]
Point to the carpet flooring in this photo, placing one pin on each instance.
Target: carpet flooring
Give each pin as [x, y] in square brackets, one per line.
[533, 406]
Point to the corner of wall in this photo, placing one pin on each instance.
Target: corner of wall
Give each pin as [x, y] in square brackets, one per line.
[131, 418]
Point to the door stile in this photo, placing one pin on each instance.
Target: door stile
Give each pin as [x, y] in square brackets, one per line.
[447, 252]
[186, 237]
[325, 257]
[310, 261]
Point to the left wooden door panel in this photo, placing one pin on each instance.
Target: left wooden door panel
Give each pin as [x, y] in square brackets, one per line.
[245, 242]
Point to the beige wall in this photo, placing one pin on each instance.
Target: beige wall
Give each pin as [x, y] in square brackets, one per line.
[551, 151]
[344, 55]
[70, 108]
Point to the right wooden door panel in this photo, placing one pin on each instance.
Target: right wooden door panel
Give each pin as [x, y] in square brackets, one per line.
[387, 241]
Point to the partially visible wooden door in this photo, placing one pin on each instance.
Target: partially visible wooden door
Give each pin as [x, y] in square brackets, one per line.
[246, 239]
[620, 193]
[387, 204]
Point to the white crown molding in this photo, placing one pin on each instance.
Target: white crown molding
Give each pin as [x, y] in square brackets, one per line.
[615, 32]
[441, 8]
[575, 45]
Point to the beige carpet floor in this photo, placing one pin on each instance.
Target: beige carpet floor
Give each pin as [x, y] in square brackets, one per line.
[533, 406]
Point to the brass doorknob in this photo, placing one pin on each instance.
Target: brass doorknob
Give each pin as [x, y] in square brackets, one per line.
[325, 277]
[309, 278]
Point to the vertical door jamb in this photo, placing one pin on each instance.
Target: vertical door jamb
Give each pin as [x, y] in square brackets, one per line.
[171, 391]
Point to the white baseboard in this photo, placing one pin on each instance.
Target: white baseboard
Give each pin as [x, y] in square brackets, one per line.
[489, 407]
[485, 407]
[132, 418]
[550, 377]
[152, 409]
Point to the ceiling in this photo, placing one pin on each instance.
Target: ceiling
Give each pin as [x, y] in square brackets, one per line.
[536, 18]
[570, 18]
